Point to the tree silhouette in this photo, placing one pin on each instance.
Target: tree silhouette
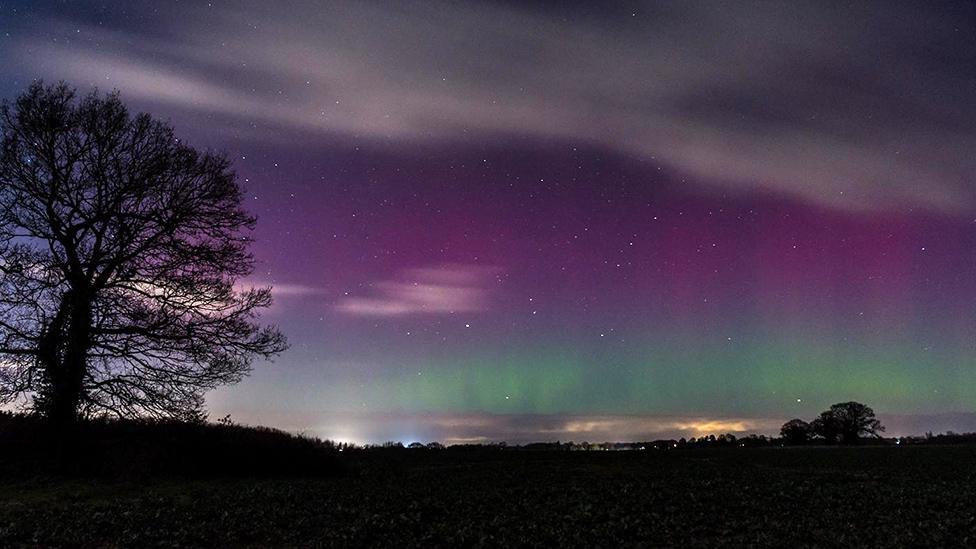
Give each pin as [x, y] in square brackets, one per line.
[120, 248]
[847, 422]
[826, 425]
[856, 420]
[796, 431]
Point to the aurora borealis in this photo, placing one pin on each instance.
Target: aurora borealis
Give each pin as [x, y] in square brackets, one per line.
[502, 221]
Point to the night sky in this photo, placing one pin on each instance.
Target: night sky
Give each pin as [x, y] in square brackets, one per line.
[514, 221]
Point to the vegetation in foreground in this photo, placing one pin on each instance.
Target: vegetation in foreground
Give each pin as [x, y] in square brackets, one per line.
[698, 496]
[132, 450]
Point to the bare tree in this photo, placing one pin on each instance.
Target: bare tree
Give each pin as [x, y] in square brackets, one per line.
[120, 248]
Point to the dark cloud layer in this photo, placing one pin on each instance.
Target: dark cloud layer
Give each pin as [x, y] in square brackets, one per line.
[852, 105]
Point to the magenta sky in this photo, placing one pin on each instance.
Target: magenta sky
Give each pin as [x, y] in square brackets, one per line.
[498, 221]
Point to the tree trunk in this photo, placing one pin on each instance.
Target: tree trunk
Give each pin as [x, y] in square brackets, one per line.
[65, 360]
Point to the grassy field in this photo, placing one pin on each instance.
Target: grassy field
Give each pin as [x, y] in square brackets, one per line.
[872, 496]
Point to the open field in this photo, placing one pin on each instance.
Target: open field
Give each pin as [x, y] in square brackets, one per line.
[871, 496]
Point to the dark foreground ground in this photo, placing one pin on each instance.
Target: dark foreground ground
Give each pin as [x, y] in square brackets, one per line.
[828, 497]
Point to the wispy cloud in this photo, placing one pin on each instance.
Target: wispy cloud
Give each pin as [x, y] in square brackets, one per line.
[431, 290]
[282, 289]
[855, 107]
[284, 295]
[295, 290]
[637, 427]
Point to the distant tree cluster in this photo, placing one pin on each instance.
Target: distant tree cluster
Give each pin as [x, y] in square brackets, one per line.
[843, 423]
[940, 439]
[727, 440]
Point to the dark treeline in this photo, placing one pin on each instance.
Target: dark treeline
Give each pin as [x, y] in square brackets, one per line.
[844, 423]
[147, 447]
[727, 440]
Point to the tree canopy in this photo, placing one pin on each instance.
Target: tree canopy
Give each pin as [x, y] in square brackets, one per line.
[121, 249]
[844, 422]
[796, 431]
